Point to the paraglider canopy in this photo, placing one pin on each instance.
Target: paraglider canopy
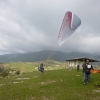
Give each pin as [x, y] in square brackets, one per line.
[70, 23]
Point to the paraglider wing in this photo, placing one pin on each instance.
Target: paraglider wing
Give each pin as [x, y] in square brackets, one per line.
[70, 23]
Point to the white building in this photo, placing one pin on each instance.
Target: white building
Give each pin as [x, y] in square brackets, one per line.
[79, 61]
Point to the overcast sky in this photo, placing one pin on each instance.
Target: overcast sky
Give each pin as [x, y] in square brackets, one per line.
[33, 25]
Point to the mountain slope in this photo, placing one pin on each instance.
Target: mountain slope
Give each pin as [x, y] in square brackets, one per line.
[44, 55]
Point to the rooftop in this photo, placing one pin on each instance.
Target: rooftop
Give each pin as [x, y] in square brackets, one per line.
[83, 59]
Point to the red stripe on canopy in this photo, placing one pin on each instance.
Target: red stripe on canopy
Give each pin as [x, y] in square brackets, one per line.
[69, 19]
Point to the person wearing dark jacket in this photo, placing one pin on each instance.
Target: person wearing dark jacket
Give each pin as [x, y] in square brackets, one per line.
[78, 66]
[86, 71]
[42, 68]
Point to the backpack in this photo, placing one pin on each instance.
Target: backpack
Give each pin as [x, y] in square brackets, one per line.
[88, 69]
[39, 68]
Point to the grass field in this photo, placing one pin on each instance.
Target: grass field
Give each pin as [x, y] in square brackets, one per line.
[61, 84]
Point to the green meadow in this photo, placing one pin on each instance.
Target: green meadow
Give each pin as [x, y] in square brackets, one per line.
[58, 83]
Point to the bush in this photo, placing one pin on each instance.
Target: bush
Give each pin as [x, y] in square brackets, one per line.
[4, 73]
[17, 72]
[1, 68]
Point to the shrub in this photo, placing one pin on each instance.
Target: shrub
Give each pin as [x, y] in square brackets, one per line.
[1, 68]
[4, 73]
[17, 72]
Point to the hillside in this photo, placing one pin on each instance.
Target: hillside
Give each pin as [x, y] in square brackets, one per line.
[44, 55]
[32, 66]
[53, 85]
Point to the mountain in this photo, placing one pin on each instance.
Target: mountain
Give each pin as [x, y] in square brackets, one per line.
[45, 55]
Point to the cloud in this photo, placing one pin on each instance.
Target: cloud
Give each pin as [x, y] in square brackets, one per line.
[29, 25]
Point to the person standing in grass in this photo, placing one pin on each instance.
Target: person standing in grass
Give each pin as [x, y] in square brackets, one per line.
[86, 71]
[41, 68]
[78, 66]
